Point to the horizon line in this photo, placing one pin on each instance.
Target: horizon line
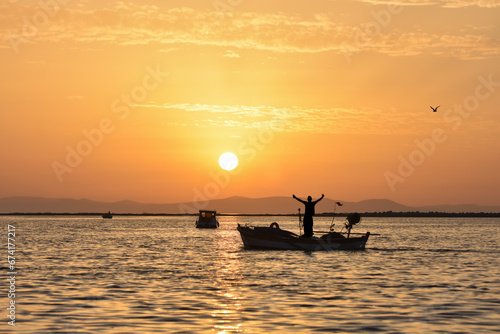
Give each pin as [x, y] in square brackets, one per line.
[388, 214]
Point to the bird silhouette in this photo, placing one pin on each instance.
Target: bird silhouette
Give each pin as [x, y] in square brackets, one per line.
[435, 109]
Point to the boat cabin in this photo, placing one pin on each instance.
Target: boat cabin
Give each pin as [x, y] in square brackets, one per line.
[207, 219]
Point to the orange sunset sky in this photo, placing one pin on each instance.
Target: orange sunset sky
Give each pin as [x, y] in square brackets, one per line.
[114, 100]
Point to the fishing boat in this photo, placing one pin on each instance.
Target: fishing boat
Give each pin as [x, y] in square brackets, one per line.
[107, 215]
[207, 219]
[273, 237]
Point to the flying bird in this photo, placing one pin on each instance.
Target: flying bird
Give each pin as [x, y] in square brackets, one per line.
[435, 109]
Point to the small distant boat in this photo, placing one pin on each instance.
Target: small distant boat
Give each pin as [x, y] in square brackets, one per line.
[207, 219]
[272, 237]
[107, 215]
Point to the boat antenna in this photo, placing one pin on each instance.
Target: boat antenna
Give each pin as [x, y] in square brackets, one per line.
[333, 218]
[300, 224]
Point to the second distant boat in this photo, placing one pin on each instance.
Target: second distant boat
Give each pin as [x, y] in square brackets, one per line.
[107, 215]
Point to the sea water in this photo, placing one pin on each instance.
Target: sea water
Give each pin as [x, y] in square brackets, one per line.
[162, 275]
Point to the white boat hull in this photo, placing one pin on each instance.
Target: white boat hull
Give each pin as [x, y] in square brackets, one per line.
[275, 238]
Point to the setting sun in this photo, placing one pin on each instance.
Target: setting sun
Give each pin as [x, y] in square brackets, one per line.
[228, 161]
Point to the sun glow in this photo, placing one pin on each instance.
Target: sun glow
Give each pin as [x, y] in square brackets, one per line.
[228, 161]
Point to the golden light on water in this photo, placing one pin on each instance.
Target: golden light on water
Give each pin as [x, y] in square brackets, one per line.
[228, 313]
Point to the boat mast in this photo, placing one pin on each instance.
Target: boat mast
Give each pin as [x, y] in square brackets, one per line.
[300, 224]
[333, 218]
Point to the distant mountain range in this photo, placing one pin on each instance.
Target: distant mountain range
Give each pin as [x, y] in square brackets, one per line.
[236, 204]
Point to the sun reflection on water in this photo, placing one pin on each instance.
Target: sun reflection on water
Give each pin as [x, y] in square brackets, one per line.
[227, 314]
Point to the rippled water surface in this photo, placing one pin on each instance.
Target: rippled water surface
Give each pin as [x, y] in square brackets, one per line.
[162, 275]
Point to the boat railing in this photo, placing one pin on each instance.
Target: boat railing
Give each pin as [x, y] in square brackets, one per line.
[357, 233]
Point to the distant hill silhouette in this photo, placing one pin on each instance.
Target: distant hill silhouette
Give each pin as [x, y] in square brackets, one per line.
[236, 204]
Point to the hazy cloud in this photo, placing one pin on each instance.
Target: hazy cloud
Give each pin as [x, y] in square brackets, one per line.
[398, 43]
[468, 3]
[401, 2]
[130, 24]
[297, 119]
[231, 54]
[442, 3]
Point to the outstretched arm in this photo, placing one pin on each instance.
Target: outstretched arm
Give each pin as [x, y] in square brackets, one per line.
[319, 199]
[298, 199]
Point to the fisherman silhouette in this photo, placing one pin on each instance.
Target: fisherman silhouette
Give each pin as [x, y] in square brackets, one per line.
[308, 215]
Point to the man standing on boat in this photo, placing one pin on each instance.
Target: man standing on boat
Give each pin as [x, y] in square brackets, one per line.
[308, 215]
